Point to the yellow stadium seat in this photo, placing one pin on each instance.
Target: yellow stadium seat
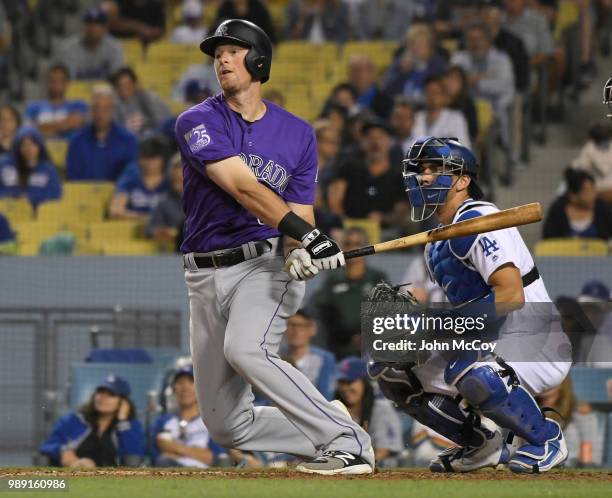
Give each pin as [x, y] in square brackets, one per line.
[567, 15]
[16, 210]
[88, 192]
[120, 230]
[381, 52]
[73, 212]
[57, 150]
[132, 51]
[371, 227]
[28, 249]
[81, 90]
[450, 44]
[485, 117]
[571, 247]
[129, 248]
[35, 231]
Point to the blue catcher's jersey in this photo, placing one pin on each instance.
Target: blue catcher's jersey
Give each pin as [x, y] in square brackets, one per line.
[448, 264]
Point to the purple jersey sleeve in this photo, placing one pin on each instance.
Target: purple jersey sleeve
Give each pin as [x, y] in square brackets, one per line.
[302, 186]
[202, 136]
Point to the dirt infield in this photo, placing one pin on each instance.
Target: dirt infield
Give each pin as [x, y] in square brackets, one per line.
[594, 476]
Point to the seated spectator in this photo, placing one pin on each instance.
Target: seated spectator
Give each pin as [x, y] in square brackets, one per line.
[203, 73]
[376, 415]
[102, 149]
[317, 21]
[168, 216]
[509, 43]
[102, 433]
[402, 123]
[338, 301]
[531, 27]
[414, 64]
[57, 116]
[460, 99]
[328, 147]
[10, 121]
[362, 75]
[142, 185]
[191, 31]
[489, 73]
[578, 212]
[382, 20]
[249, 10]
[92, 54]
[142, 19]
[180, 439]
[315, 363]
[369, 187]
[596, 158]
[28, 172]
[437, 119]
[137, 109]
[343, 94]
[8, 242]
[579, 423]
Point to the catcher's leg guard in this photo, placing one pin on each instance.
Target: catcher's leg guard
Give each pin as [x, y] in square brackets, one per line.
[478, 446]
[512, 407]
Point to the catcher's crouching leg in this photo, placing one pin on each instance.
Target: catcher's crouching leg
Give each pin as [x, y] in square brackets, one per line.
[477, 448]
[510, 406]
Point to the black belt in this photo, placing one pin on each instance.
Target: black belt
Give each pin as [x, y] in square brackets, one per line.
[230, 257]
[531, 276]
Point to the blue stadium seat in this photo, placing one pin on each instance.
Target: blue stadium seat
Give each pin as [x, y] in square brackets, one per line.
[118, 356]
[143, 377]
[590, 384]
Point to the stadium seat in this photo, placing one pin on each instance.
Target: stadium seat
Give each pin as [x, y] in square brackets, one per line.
[88, 192]
[567, 15]
[31, 234]
[81, 90]
[72, 212]
[132, 51]
[371, 227]
[122, 230]
[571, 247]
[593, 385]
[129, 248]
[485, 117]
[16, 210]
[143, 378]
[57, 150]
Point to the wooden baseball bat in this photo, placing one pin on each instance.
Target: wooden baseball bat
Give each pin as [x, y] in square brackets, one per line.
[513, 217]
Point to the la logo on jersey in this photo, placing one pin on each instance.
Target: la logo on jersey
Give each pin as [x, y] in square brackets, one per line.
[197, 138]
[488, 246]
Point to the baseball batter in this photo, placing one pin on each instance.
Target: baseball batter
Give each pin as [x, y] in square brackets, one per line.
[249, 242]
[440, 177]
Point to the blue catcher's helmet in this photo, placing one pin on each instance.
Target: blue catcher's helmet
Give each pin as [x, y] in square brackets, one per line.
[445, 157]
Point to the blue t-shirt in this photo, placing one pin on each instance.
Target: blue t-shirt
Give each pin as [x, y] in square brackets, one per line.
[91, 160]
[140, 198]
[280, 149]
[44, 183]
[42, 112]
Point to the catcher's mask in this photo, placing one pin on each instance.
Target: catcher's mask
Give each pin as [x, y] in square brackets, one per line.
[433, 154]
[607, 96]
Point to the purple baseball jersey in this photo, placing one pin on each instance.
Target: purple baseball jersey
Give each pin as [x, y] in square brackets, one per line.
[280, 149]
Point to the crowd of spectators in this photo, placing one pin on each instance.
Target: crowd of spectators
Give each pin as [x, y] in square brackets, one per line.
[450, 58]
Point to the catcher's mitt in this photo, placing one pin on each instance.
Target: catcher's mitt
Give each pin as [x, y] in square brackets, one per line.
[384, 292]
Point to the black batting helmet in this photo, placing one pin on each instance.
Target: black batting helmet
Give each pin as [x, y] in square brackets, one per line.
[244, 33]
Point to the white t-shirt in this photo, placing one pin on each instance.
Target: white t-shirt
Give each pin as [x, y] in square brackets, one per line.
[195, 435]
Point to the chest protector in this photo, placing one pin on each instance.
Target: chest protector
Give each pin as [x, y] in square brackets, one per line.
[448, 264]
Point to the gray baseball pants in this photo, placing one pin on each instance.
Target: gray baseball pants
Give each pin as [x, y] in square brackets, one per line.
[238, 318]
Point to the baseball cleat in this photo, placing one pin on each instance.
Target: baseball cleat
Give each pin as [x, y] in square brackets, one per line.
[533, 459]
[336, 463]
[469, 458]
